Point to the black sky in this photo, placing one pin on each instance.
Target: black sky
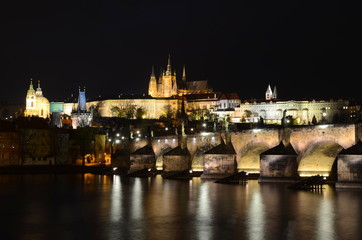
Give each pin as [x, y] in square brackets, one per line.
[308, 49]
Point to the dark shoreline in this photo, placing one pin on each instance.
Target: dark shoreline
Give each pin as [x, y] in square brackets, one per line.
[29, 169]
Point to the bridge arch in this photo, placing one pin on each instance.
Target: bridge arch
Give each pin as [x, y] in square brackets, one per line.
[159, 159]
[249, 160]
[318, 158]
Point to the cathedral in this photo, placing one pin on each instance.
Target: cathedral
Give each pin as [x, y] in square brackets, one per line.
[36, 103]
[167, 84]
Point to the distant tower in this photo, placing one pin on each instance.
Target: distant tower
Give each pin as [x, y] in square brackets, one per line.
[167, 80]
[275, 96]
[30, 98]
[152, 87]
[184, 74]
[81, 117]
[159, 84]
[268, 93]
[169, 84]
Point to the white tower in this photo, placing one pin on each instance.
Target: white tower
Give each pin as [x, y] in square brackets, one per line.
[268, 93]
[30, 97]
[275, 96]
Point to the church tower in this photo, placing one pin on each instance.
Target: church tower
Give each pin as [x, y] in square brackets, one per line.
[167, 80]
[152, 87]
[268, 93]
[275, 96]
[30, 100]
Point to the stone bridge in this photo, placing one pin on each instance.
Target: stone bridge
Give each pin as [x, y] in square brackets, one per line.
[316, 146]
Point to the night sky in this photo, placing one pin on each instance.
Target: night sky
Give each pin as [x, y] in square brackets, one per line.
[308, 49]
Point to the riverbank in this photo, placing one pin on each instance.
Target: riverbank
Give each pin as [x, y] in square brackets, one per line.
[31, 169]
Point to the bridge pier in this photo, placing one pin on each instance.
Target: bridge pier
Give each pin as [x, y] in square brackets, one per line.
[278, 164]
[349, 167]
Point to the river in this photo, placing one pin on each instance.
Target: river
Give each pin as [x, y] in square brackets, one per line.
[87, 206]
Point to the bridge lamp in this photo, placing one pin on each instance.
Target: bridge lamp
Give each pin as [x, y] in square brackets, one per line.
[117, 134]
[117, 141]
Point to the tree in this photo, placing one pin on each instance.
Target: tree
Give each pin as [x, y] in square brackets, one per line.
[140, 113]
[84, 137]
[168, 112]
[116, 111]
[95, 109]
[314, 120]
[126, 111]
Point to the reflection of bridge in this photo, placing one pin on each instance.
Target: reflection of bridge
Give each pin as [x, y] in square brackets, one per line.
[316, 146]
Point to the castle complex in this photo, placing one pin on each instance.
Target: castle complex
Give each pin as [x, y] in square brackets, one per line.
[166, 93]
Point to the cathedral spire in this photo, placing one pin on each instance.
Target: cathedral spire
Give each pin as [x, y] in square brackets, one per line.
[275, 93]
[184, 74]
[168, 71]
[152, 86]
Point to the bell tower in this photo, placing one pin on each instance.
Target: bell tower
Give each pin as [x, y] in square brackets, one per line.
[30, 100]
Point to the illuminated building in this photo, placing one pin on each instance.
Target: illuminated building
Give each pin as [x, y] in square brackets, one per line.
[272, 110]
[36, 103]
[80, 116]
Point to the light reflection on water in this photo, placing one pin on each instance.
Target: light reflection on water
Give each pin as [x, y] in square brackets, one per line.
[113, 207]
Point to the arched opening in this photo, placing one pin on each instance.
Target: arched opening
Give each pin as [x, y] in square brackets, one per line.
[318, 159]
[249, 160]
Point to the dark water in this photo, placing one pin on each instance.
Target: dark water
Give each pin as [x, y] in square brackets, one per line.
[109, 207]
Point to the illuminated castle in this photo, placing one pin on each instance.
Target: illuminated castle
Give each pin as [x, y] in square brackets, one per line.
[36, 103]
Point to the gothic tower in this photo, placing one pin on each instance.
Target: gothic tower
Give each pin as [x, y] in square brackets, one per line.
[152, 87]
[275, 96]
[81, 117]
[167, 80]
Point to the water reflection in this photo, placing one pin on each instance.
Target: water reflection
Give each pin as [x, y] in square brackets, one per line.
[203, 215]
[325, 224]
[114, 207]
[116, 199]
[256, 217]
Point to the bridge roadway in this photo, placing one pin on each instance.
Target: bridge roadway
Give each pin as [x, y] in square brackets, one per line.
[317, 146]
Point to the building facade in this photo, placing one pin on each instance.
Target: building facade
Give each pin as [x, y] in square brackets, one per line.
[36, 103]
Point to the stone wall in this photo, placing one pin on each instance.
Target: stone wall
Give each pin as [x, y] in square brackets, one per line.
[139, 162]
[278, 166]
